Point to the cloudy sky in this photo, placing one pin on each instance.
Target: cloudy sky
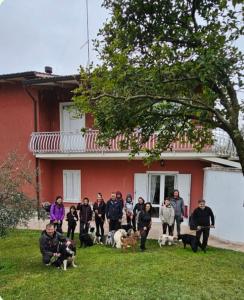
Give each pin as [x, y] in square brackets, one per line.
[37, 33]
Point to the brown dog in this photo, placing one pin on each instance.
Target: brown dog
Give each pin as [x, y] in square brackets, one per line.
[130, 241]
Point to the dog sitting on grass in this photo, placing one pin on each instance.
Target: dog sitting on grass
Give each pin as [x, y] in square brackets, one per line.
[188, 239]
[67, 252]
[130, 241]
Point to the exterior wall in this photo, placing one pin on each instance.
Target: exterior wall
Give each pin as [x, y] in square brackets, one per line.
[49, 114]
[107, 176]
[224, 193]
[17, 123]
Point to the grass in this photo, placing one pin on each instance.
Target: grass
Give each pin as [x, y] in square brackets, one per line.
[105, 273]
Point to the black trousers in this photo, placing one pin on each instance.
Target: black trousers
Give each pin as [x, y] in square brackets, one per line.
[204, 232]
[58, 226]
[84, 227]
[144, 234]
[169, 227]
[71, 230]
[99, 226]
[46, 258]
[114, 225]
[178, 222]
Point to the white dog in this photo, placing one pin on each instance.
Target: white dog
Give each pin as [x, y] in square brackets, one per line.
[110, 239]
[165, 239]
[117, 237]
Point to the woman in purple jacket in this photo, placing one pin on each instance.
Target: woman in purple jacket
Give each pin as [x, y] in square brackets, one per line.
[57, 212]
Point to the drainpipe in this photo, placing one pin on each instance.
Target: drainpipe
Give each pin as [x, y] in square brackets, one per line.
[37, 161]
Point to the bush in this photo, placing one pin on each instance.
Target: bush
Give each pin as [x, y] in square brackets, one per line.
[16, 207]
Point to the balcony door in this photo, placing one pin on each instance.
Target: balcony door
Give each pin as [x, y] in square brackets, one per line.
[71, 125]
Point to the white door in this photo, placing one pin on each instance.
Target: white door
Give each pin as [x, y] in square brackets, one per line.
[160, 187]
[184, 187]
[140, 186]
[72, 139]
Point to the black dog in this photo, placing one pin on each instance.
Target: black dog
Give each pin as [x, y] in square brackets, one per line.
[85, 240]
[188, 239]
[126, 227]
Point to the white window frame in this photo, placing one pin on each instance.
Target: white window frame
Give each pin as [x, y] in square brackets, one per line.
[75, 194]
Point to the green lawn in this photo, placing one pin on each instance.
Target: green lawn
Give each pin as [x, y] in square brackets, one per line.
[106, 273]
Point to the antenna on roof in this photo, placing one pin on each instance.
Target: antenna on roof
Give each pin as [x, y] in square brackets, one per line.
[87, 35]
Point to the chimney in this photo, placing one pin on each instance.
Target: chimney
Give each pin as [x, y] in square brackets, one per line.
[48, 70]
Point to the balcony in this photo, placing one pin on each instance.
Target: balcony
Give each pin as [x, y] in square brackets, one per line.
[71, 143]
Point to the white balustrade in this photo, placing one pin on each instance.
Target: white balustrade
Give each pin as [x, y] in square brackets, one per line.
[76, 142]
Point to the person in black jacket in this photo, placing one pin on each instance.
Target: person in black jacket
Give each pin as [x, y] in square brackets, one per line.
[136, 212]
[114, 212]
[99, 209]
[201, 220]
[49, 242]
[85, 215]
[72, 219]
[144, 224]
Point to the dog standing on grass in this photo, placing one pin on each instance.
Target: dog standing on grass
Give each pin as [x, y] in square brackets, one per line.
[117, 237]
[167, 240]
[130, 241]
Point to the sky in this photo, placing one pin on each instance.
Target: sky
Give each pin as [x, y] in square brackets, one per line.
[39, 33]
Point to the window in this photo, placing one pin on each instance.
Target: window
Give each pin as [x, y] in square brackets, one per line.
[71, 185]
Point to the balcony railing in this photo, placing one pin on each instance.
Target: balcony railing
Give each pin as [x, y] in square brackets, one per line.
[70, 142]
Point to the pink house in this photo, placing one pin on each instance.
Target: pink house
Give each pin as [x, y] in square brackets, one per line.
[36, 119]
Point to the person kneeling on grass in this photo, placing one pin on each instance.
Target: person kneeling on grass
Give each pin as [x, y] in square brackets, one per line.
[49, 242]
[144, 224]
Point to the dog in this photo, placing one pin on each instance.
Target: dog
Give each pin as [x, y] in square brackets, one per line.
[188, 239]
[85, 240]
[165, 239]
[117, 237]
[67, 251]
[130, 241]
[126, 227]
[92, 234]
[110, 239]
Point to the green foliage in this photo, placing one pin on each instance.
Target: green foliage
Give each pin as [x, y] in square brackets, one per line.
[168, 273]
[169, 67]
[15, 206]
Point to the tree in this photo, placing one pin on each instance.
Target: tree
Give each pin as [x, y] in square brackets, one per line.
[169, 67]
[15, 206]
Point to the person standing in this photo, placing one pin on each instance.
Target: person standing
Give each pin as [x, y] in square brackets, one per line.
[144, 224]
[85, 215]
[136, 211]
[119, 197]
[178, 204]
[129, 210]
[57, 212]
[72, 219]
[201, 217]
[99, 208]
[114, 212]
[167, 215]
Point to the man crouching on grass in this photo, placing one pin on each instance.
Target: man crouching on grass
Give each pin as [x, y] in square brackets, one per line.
[49, 242]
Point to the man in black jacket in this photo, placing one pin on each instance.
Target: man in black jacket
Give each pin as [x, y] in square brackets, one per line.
[49, 241]
[114, 212]
[201, 219]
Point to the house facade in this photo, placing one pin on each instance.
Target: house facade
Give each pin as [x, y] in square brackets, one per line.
[38, 121]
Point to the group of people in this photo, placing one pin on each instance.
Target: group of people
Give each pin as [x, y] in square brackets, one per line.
[138, 217]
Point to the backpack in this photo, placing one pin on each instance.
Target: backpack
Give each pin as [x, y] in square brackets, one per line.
[46, 206]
